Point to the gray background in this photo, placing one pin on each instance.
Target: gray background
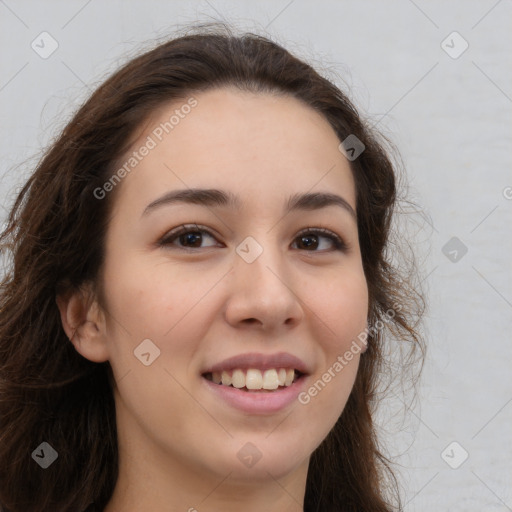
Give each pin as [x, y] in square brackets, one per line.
[450, 118]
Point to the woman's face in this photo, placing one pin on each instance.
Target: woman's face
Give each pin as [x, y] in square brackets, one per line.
[252, 290]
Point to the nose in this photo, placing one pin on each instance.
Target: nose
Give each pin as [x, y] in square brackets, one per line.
[262, 294]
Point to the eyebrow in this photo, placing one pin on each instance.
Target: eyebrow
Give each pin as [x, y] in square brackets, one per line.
[220, 198]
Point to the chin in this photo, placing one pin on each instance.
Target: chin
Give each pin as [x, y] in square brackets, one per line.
[261, 459]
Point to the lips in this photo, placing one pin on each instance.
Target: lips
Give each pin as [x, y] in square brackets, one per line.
[257, 384]
[257, 372]
[260, 362]
[254, 379]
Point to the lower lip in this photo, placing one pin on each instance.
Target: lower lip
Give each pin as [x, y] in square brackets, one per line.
[258, 402]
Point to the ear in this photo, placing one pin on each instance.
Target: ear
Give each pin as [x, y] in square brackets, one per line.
[84, 323]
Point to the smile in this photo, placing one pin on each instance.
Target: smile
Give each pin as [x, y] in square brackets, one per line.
[254, 379]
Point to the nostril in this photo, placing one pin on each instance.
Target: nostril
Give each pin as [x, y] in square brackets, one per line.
[250, 321]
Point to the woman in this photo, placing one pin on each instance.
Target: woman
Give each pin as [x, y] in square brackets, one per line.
[199, 294]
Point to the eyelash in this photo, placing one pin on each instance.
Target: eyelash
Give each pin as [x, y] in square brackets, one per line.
[165, 241]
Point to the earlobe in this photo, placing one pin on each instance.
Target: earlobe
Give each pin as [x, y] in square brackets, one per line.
[84, 324]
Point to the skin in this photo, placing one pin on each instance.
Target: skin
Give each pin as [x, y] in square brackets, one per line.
[178, 442]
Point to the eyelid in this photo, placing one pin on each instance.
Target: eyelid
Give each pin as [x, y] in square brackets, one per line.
[185, 228]
[338, 241]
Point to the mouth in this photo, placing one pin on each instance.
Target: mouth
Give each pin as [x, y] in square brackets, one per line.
[255, 380]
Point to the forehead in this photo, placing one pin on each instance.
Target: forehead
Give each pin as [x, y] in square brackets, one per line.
[259, 146]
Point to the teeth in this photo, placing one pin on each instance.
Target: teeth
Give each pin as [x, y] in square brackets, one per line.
[238, 379]
[270, 380]
[226, 379]
[254, 379]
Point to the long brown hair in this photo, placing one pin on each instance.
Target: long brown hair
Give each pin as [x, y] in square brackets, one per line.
[56, 232]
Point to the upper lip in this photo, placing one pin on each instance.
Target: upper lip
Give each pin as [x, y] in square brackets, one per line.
[259, 361]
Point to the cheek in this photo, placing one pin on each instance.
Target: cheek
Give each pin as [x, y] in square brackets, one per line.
[171, 308]
[341, 308]
[172, 312]
[341, 312]
[154, 299]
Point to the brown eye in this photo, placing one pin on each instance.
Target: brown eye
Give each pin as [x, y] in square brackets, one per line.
[310, 240]
[194, 238]
[187, 237]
